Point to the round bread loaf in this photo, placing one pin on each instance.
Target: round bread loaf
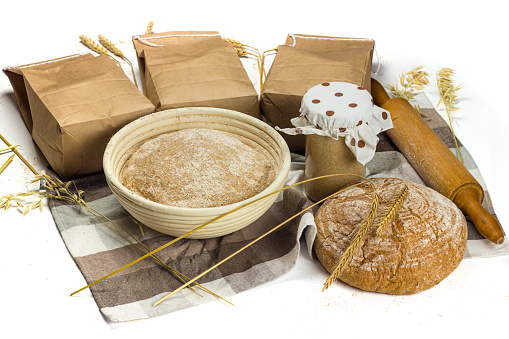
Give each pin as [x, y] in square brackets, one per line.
[420, 247]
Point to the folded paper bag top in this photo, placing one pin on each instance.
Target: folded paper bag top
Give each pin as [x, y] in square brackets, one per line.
[342, 109]
[15, 75]
[76, 105]
[304, 61]
[190, 69]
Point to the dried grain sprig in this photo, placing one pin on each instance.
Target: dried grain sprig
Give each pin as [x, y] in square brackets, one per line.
[92, 45]
[110, 46]
[25, 161]
[56, 189]
[59, 190]
[246, 50]
[135, 244]
[264, 54]
[393, 211]
[135, 221]
[150, 26]
[208, 223]
[8, 149]
[449, 97]
[268, 232]
[4, 166]
[263, 73]
[356, 242]
[7, 200]
[410, 82]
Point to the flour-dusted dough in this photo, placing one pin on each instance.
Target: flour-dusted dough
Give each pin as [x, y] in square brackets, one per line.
[197, 168]
[423, 244]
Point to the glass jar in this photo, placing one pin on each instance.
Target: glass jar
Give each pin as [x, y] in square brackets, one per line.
[324, 156]
[341, 123]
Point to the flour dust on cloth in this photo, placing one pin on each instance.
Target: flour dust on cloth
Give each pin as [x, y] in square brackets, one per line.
[342, 109]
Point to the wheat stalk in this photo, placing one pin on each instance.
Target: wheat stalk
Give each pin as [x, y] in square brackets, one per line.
[4, 166]
[356, 242]
[10, 148]
[116, 51]
[56, 189]
[25, 161]
[410, 82]
[62, 191]
[263, 59]
[242, 50]
[91, 44]
[448, 96]
[368, 221]
[150, 26]
[393, 211]
[213, 220]
[362, 231]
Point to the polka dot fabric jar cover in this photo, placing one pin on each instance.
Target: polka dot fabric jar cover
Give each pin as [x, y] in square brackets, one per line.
[342, 109]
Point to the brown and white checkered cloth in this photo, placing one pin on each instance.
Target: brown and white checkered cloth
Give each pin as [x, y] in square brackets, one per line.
[130, 294]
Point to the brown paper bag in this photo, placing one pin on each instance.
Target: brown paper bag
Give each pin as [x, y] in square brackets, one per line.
[76, 104]
[184, 69]
[303, 62]
[15, 75]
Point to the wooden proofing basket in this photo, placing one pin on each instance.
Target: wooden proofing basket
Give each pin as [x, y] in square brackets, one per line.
[177, 221]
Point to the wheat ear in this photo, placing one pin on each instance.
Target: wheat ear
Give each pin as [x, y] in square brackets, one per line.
[91, 44]
[356, 242]
[150, 26]
[110, 46]
[391, 213]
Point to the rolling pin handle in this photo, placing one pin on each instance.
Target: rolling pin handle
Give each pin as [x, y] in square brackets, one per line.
[378, 93]
[469, 202]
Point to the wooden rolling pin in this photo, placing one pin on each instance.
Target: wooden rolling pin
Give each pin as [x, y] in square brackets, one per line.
[435, 163]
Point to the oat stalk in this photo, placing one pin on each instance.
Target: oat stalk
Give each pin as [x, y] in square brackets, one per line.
[356, 242]
[10, 199]
[410, 82]
[110, 46]
[448, 97]
[92, 45]
[56, 189]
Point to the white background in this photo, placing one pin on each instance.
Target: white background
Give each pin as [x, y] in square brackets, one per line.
[37, 274]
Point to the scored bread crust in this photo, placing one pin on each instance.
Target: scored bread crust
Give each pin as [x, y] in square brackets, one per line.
[419, 248]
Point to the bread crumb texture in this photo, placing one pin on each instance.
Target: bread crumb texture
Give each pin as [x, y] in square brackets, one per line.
[419, 248]
[197, 168]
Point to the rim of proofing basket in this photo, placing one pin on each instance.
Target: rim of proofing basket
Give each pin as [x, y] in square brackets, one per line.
[177, 221]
